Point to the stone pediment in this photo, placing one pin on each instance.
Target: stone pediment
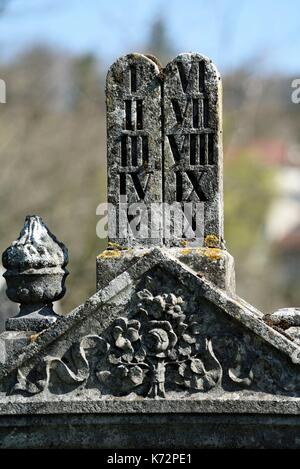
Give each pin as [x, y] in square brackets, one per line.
[156, 331]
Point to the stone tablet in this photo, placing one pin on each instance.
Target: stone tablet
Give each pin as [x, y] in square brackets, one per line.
[134, 154]
[193, 148]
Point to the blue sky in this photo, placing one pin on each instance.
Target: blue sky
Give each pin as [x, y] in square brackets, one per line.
[231, 32]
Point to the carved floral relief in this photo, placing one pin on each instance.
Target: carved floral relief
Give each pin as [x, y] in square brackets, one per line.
[160, 345]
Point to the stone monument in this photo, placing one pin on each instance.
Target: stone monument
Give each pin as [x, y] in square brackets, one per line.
[164, 354]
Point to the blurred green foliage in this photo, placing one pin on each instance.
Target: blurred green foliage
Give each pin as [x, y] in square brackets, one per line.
[248, 192]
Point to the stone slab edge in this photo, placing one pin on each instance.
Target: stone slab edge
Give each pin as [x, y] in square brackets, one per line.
[258, 404]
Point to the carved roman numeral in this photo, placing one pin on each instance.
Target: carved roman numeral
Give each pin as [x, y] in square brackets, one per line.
[140, 189]
[134, 150]
[184, 79]
[179, 113]
[194, 113]
[133, 114]
[190, 74]
[177, 150]
[133, 78]
[197, 148]
[194, 181]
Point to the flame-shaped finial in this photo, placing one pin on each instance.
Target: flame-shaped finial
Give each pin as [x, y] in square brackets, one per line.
[35, 275]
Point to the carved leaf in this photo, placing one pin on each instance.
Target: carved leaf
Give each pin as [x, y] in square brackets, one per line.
[247, 381]
[124, 344]
[23, 384]
[181, 328]
[185, 350]
[173, 354]
[133, 334]
[187, 338]
[144, 294]
[197, 383]
[128, 356]
[201, 374]
[140, 354]
[173, 299]
[136, 375]
[182, 369]
[104, 376]
[117, 332]
[113, 359]
[197, 366]
[122, 371]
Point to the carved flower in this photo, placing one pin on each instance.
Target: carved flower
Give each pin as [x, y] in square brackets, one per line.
[160, 306]
[191, 340]
[158, 338]
[201, 374]
[155, 305]
[122, 378]
[174, 306]
[125, 333]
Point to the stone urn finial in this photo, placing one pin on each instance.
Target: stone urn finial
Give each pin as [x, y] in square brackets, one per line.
[35, 275]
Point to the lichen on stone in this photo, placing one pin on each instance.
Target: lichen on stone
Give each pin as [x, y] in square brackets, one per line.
[186, 251]
[212, 241]
[108, 254]
[214, 254]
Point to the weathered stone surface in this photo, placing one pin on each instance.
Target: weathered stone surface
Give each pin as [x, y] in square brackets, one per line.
[193, 158]
[159, 431]
[289, 316]
[157, 330]
[12, 343]
[134, 153]
[159, 340]
[214, 264]
[294, 333]
[35, 275]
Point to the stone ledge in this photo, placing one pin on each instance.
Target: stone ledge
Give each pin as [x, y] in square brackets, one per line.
[216, 265]
[160, 431]
[229, 403]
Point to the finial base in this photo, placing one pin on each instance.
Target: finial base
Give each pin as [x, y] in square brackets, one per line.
[34, 318]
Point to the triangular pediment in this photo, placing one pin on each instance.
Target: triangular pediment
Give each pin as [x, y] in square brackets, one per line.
[157, 330]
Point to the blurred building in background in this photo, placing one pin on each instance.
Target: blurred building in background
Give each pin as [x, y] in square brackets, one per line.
[283, 222]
